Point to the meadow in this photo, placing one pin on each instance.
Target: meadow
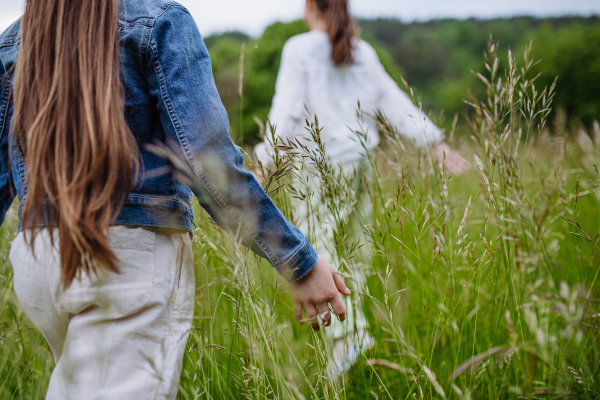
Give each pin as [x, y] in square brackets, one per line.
[480, 286]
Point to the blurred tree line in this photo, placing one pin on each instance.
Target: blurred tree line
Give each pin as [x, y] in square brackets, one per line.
[434, 57]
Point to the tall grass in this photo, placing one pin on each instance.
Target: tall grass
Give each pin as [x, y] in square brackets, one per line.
[479, 286]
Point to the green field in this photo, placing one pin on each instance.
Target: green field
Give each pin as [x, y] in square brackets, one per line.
[482, 286]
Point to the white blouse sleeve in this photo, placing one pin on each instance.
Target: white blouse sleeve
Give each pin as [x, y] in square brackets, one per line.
[408, 119]
[287, 110]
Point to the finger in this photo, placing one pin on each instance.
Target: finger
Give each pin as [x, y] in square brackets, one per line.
[298, 313]
[341, 285]
[338, 307]
[324, 313]
[311, 314]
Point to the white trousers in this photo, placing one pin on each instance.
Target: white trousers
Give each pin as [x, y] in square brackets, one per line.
[114, 336]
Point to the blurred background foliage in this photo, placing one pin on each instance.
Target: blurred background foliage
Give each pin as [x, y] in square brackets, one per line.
[434, 57]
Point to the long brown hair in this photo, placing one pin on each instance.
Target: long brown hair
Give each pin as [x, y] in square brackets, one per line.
[341, 29]
[69, 125]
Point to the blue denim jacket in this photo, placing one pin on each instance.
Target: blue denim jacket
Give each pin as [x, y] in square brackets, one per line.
[171, 97]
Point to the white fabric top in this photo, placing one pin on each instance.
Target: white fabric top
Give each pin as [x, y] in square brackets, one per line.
[310, 84]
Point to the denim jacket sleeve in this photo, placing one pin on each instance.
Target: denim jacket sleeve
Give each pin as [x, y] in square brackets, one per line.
[7, 190]
[191, 111]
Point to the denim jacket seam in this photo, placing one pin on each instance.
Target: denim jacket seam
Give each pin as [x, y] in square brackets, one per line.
[167, 8]
[290, 258]
[162, 199]
[146, 38]
[22, 167]
[9, 42]
[4, 106]
[144, 21]
[149, 21]
[186, 148]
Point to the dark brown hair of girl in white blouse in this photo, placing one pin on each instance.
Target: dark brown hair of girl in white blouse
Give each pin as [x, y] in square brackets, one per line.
[341, 29]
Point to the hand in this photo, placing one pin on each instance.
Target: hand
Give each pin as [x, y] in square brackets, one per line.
[454, 161]
[320, 287]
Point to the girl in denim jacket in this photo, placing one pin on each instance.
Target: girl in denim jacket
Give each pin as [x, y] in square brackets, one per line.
[103, 260]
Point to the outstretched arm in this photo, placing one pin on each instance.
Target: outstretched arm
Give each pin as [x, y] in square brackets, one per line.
[192, 114]
[408, 119]
[412, 123]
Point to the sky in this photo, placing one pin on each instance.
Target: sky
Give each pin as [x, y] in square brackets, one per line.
[252, 16]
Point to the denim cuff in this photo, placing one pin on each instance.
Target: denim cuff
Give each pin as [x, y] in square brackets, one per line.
[300, 264]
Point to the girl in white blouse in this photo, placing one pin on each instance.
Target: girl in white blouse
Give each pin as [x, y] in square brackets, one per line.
[327, 72]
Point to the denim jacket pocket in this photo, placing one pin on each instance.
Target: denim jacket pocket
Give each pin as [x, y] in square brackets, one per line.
[119, 294]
